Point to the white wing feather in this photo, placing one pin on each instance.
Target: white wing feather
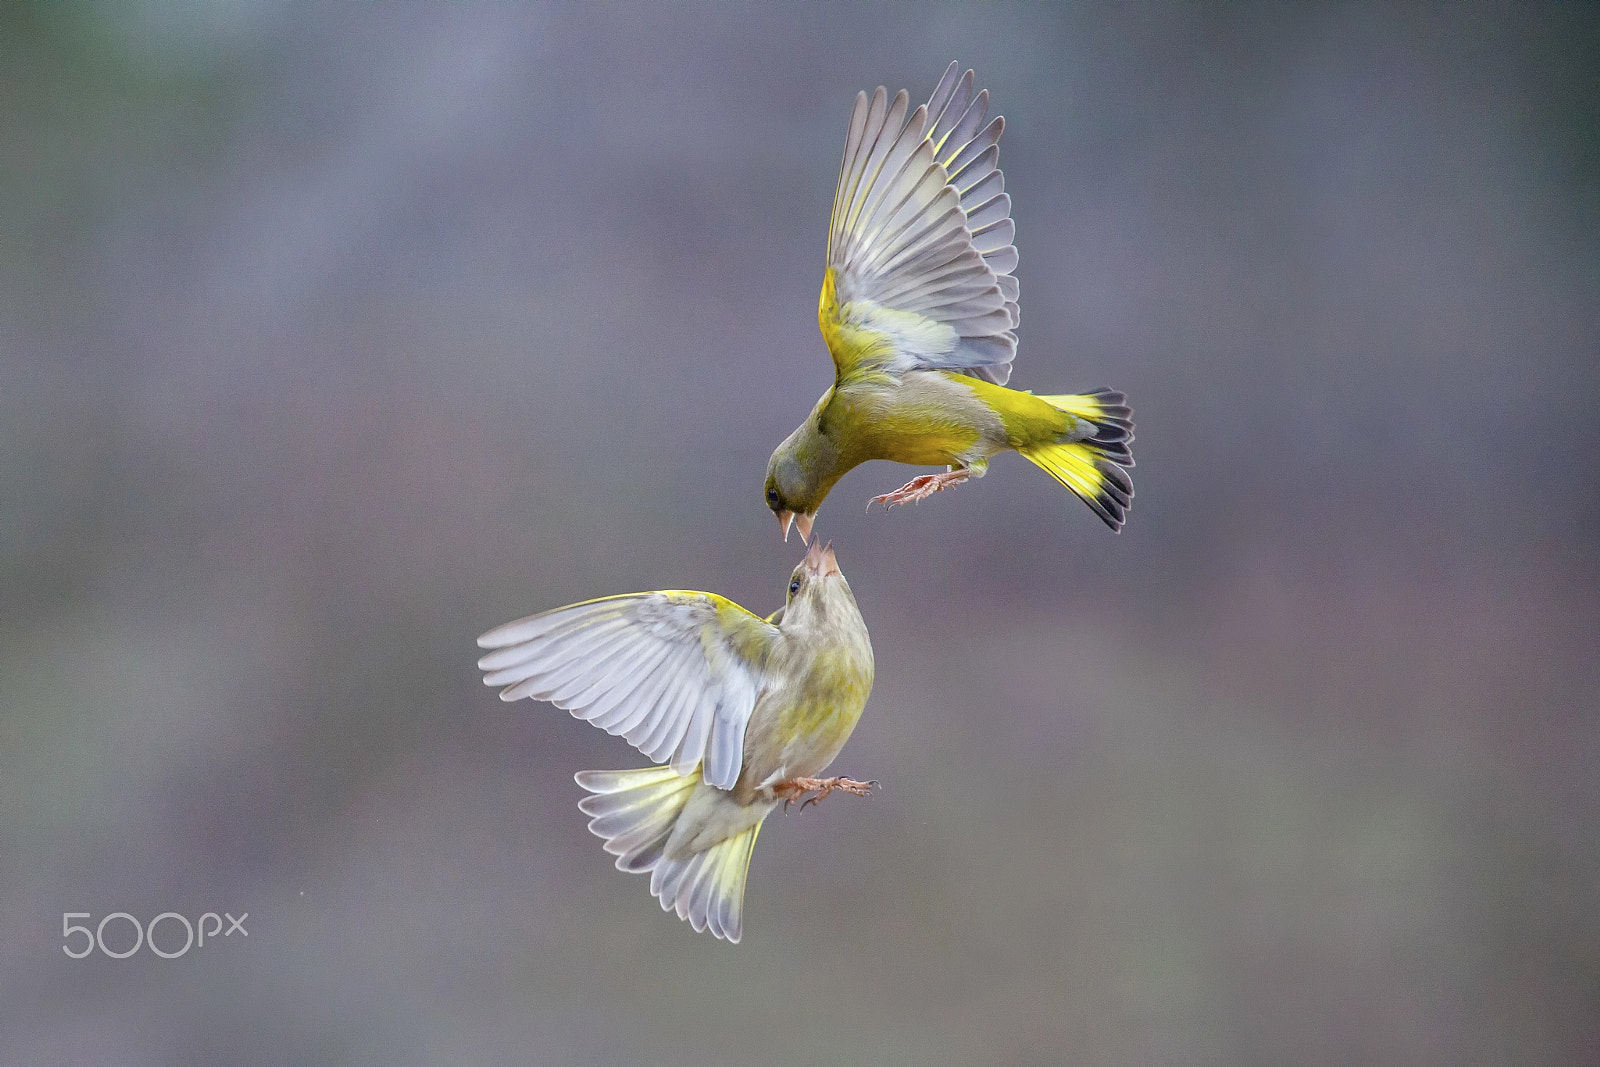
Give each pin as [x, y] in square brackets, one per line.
[659, 669]
[920, 241]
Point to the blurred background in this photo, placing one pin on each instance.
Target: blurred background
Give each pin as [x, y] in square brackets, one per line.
[331, 336]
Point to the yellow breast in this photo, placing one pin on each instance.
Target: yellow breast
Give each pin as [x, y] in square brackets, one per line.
[924, 418]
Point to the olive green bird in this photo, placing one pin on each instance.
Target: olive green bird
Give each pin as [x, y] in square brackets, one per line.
[919, 309]
[740, 711]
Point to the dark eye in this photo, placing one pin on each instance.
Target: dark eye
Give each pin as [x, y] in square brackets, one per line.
[794, 587]
[772, 497]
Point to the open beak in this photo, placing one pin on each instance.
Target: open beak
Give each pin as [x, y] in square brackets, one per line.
[820, 559]
[786, 520]
[803, 523]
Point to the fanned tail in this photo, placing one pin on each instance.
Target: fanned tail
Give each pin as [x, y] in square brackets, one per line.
[636, 811]
[1091, 461]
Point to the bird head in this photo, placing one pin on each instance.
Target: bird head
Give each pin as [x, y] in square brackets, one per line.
[783, 491]
[799, 474]
[818, 592]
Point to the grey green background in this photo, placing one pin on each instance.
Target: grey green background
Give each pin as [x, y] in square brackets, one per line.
[331, 336]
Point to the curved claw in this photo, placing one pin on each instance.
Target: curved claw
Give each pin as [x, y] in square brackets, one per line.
[922, 487]
[794, 789]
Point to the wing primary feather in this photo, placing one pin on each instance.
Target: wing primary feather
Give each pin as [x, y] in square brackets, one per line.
[965, 129]
[915, 211]
[573, 677]
[554, 658]
[852, 145]
[931, 254]
[859, 166]
[534, 646]
[666, 738]
[987, 351]
[988, 187]
[984, 325]
[521, 630]
[635, 701]
[889, 224]
[941, 264]
[934, 228]
[725, 752]
[974, 172]
[652, 704]
[989, 138]
[957, 292]
[995, 236]
[863, 136]
[599, 672]
[552, 640]
[680, 715]
[944, 90]
[1002, 261]
[693, 747]
[892, 170]
[664, 720]
[611, 706]
[582, 676]
[989, 211]
[952, 111]
[879, 154]
[929, 247]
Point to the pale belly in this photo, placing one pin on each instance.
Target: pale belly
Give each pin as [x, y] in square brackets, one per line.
[798, 741]
[817, 736]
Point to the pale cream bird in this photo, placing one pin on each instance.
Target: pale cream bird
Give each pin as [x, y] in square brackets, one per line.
[741, 712]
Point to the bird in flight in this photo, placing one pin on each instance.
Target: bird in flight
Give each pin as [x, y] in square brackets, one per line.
[741, 712]
[919, 311]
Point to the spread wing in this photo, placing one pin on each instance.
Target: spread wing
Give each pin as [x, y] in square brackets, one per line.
[675, 672]
[920, 249]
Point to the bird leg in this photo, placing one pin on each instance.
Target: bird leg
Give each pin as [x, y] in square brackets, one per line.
[922, 487]
[795, 788]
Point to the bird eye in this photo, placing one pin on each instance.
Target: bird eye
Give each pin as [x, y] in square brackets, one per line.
[772, 497]
[794, 587]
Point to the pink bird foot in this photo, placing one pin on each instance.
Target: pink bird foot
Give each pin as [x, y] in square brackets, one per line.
[795, 788]
[922, 487]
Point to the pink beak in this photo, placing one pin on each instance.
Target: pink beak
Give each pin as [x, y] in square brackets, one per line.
[803, 523]
[820, 559]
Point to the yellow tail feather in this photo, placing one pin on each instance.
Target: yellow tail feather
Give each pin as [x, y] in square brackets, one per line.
[710, 892]
[1091, 456]
[1083, 405]
[636, 813]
